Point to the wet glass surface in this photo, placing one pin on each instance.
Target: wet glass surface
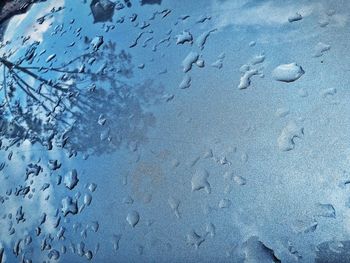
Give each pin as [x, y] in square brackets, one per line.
[175, 131]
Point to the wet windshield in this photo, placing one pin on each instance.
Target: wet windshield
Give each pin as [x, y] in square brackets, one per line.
[174, 131]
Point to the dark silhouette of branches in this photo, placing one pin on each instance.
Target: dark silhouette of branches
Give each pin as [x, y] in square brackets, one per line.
[84, 105]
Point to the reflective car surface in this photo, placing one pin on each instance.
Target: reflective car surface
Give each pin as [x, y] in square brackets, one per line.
[174, 131]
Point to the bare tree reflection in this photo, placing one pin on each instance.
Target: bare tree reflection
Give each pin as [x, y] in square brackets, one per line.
[85, 105]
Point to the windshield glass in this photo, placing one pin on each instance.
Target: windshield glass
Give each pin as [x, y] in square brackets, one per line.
[174, 131]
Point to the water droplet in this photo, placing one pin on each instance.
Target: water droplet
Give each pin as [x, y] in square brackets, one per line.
[186, 82]
[288, 72]
[252, 43]
[92, 187]
[133, 218]
[305, 225]
[239, 180]
[128, 200]
[210, 229]
[96, 43]
[69, 206]
[189, 60]
[202, 39]
[184, 37]
[50, 58]
[225, 203]
[320, 49]
[325, 210]
[282, 112]
[200, 181]
[208, 154]
[174, 205]
[71, 179]
[54, 254]
[296, 17]
[255, 251]
[258, 59]
[245, 78]
[328, 92]
[195, 240]
[115, 242]
[87, 199]
[286, 139]
[88, 254]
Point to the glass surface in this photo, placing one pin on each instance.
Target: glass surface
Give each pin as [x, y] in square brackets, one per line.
[174, 131]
